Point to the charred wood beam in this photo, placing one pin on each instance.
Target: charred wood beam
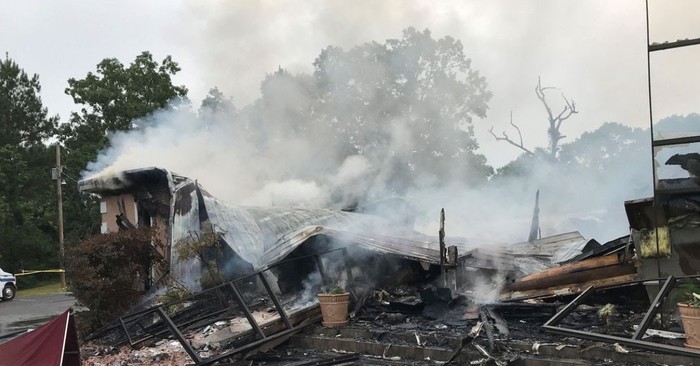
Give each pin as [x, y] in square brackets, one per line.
[498, 321]
[572, 289]
[488, 327]
[586, 264]
[574, 278]
[330, 361]
[441, 236]
[669, 45]
[322, 270]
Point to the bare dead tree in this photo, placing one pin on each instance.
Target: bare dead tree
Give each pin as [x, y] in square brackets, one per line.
[555, 122]
[507, 139]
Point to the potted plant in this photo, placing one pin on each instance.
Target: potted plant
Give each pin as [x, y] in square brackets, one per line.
[334, 306]
[689, 309]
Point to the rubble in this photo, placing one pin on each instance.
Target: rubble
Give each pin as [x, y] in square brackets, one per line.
[444, 301]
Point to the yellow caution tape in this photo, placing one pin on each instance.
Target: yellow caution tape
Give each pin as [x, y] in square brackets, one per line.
[25, 273]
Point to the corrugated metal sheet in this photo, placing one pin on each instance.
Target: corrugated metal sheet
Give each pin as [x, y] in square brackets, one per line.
[554, 249]
[263, 236]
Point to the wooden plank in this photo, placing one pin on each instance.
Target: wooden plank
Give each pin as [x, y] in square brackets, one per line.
[572, 289]
[586, 264]
[574, 278]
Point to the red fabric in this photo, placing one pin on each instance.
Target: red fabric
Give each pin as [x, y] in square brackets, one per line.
[54, 343]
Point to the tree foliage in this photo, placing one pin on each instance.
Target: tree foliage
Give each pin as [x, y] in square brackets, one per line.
[407, 105]
[205, 247]
[416, 96]
[610, 147]
[27, 198]
[116, 97]
[113, 98]
[108, 270]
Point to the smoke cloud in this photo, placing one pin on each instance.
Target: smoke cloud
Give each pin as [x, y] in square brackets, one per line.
[257, 156]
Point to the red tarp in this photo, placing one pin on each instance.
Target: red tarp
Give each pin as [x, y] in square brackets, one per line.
[54, 343]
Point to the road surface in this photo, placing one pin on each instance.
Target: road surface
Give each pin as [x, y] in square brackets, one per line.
[30, 312]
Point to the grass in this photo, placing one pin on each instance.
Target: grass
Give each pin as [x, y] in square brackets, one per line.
[46, 288]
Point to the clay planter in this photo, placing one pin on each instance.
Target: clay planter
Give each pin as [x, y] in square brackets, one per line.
[334, 308]
[690, 317]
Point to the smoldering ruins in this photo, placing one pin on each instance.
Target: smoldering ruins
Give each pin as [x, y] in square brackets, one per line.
[414, 298]
[433, 267]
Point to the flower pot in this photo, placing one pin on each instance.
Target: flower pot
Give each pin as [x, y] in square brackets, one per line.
[334, 308]
[690, 317]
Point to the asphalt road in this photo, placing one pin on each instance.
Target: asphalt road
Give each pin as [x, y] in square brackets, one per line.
[30, 312]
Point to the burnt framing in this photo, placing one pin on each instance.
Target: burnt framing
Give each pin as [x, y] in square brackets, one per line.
[552, 325]
[168, 325]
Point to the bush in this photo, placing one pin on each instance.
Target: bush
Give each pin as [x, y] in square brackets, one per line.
[107, 273]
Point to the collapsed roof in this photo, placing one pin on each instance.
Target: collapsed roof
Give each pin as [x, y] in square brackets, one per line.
[263, 236]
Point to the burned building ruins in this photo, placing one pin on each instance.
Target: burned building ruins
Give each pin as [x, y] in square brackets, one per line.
[413, 298]
[277, 259]
[178, 208]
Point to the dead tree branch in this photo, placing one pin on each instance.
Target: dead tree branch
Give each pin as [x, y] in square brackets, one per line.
[507, 139]
[555, 121]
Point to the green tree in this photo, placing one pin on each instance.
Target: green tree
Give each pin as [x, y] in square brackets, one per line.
[27, 196]
[118, 98]
[408, 102]
[611, 147]
[215, 102]
[109, 272]
[113, 98]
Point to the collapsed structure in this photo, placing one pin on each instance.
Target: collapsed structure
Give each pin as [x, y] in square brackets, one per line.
[178, 208]
[509, 293]
[288, 253]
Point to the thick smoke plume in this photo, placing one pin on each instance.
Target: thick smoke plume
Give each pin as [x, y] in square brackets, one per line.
[268, 154]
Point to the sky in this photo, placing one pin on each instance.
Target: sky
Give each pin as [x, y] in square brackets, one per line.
[594, 50]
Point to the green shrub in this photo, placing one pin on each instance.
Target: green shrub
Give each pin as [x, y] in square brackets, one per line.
[107, 272]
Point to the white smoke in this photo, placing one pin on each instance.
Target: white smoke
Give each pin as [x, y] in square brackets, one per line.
[280, 167]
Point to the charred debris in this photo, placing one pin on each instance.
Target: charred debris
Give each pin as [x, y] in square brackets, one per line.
[414, 299]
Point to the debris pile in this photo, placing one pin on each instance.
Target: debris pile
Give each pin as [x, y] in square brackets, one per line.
[412, 298]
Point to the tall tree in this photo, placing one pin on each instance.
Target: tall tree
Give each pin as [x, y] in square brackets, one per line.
[409, 102]
[113, 98]
[27, 198]
[117, 98]
[555, 118]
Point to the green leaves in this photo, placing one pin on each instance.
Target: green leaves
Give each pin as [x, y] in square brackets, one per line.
[23, 119]
[118, 96]
[114, 98]
[27, 200]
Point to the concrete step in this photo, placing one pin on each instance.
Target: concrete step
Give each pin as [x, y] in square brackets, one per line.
[396, 346]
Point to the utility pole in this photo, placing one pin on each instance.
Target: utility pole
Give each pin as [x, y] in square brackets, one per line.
[59, 197]
[441, 236]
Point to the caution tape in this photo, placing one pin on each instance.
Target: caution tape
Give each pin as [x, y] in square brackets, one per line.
[25, 273]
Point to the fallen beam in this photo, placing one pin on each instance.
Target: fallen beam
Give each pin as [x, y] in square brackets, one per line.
[572, 289]
[668, 45]
[583, 265]
[594, 274]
